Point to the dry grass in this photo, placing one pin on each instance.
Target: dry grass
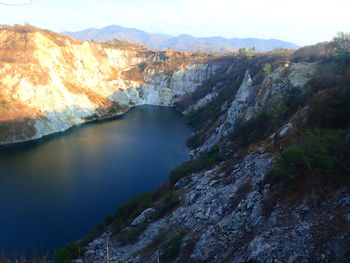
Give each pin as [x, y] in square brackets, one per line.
[121, 44]
[17, 46]
[58, 39]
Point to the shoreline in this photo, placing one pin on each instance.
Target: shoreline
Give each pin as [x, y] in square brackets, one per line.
[48, 137]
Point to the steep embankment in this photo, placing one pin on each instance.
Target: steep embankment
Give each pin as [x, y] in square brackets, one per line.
[269, 181]
[49, 82]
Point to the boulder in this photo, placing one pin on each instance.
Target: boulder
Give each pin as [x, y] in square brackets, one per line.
[144, 217]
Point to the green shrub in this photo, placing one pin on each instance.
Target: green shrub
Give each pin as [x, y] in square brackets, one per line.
[320, 153]
[331, 109]
[195, 141]
[131, 234]
[62, 256]
[204, 161]
[267, 69]
[127, 212]
[172, 247]
[167, 203]
[340, 49]
[251, 131]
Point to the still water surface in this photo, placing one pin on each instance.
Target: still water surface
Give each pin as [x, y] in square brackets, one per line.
[57, 191]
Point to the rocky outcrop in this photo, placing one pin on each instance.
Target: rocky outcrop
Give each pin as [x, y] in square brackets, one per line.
[230, 213]
[227, 212]
[266, 96]
[62, 82]
[228, 217]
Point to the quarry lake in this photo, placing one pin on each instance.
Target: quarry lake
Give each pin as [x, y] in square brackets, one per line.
[57, 190]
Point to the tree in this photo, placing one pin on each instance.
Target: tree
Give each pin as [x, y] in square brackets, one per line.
[267, 69]
[242, 51]
[340, 44]
[340, 49]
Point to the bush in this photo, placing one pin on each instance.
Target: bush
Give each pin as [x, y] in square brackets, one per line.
[310, 53]
[167, 203]
[62, 256]
[340, 49]
[131, 234]
[252, 130]
[330, 109]
[172, 247]
[267, 69]
[127, 212]
[319, 153]
[195, 140]
[204, 161]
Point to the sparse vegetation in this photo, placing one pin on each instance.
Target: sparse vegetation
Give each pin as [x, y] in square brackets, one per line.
[252, 130]
[172, 247]
[340, 50]
[267, 69]
[163, 199]
[62, 256]
[120, 44]
[322, 154]
[131, 234]
[331, 109]
[205, 160]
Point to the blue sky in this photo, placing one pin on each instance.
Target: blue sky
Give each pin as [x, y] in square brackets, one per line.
[299, 21]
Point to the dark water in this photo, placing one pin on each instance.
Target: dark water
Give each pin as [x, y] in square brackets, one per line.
[56, 192]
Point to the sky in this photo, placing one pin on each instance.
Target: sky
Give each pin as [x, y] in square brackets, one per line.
[302, 22]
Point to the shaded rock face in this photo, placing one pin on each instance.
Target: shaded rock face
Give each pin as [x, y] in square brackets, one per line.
[250, 99]
[144, 217]
[62, 82]
[225, 219]
[49, 83]
[231, 215]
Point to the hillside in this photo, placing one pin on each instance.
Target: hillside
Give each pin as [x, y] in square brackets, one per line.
[269, 177]
[181, 42]
[50, 82]
[269, 174]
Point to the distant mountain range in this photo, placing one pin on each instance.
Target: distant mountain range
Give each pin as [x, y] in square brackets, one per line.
[181, 42]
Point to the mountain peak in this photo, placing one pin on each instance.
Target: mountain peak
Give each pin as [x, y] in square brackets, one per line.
[183, 42]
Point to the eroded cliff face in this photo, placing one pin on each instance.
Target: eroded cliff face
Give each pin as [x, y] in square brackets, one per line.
[224, 212]
[229, 217]
[229, 212]
[49, 82]
[251, 99]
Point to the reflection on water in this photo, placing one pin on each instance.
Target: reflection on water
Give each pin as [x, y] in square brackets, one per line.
[55, 192]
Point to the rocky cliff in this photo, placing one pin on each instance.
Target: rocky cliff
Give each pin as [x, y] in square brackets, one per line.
[269, 176]
[49, 82]
[225, 217]
[230, 203]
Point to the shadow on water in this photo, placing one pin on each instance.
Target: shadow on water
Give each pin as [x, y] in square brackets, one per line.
[20, 146]
[54, 190]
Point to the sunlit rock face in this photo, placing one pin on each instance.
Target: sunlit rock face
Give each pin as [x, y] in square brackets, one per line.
[49, 82]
